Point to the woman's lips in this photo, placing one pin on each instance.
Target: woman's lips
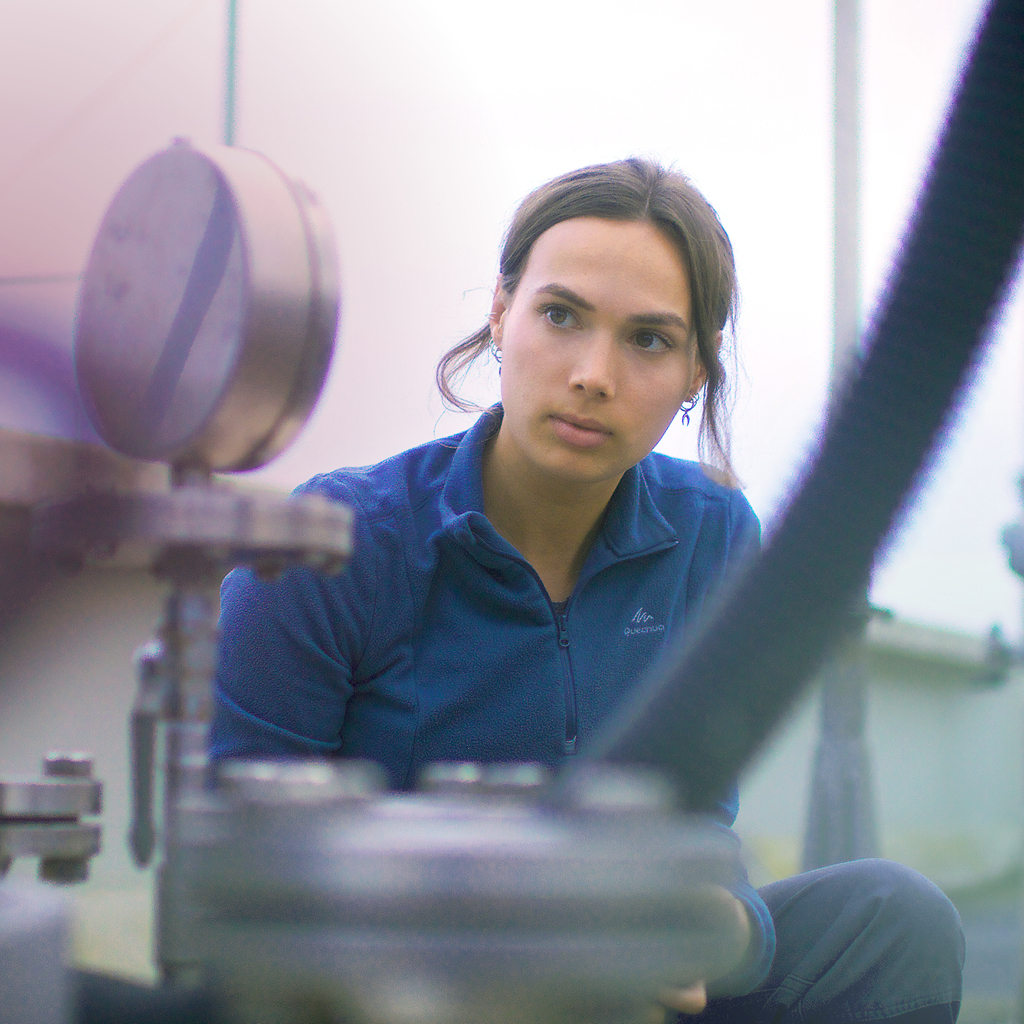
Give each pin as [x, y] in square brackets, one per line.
[580, 433]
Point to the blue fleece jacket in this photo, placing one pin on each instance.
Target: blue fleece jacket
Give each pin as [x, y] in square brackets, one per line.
[439, 642]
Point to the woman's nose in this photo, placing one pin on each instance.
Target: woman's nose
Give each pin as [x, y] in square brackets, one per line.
[594, 369]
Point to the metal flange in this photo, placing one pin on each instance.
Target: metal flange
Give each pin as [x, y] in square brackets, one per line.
[264, 530]
[40, 818]
[63, 840]
[458, 906]
[49, 798]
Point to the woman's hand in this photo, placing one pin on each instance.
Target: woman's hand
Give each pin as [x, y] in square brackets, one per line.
[691, 999]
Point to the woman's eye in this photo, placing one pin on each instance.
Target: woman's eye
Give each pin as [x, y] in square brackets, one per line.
[649, 341]
[559, 316]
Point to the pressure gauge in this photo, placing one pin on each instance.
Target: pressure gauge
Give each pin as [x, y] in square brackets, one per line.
[208, 310]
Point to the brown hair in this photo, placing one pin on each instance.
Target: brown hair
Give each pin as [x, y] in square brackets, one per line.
[633, 189]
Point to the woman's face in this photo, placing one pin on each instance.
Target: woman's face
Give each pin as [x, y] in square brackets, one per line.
[597, 351]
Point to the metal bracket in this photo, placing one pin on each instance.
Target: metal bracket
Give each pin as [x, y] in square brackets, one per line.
[41, 818]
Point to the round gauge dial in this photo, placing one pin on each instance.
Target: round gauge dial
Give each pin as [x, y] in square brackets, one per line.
[208, 310]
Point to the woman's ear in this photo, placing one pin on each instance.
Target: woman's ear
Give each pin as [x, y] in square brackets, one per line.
[701, 376]
[497, 316]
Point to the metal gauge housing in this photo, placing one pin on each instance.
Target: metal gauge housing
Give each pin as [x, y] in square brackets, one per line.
[208, 310]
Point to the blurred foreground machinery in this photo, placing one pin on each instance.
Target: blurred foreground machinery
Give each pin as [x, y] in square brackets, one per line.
[42, 817]
[304, 891]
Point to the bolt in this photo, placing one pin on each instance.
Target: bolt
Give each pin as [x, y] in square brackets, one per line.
[515, 779]
[452, 777]
[302, 783]
[74, 765]
[610, 789]
[62, 765]
[63, 870]
[512, 779]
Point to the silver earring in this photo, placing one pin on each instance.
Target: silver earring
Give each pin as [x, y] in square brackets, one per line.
[687, 407]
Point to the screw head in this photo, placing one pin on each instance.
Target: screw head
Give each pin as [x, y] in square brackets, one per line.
[615, 789]
[301, 783]
[67, 765]
[512, 779]
[452, 777]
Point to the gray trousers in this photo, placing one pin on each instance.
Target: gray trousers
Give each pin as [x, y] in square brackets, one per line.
[869, 940]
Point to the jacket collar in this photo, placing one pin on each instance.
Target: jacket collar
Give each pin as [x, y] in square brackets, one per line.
[632, 526]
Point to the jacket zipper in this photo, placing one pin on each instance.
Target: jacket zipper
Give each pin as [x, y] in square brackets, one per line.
[570, 685]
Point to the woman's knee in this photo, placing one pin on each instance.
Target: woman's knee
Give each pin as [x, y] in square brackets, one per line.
[905, 893]
[874, 908]
[869, 936]
[901, 902]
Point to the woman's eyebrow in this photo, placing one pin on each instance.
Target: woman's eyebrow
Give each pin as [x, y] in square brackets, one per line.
[559, 291]
[659, 320]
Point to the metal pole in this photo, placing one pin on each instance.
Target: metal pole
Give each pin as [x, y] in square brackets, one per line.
[846, 192]
[840, 817]
[189, 637]
[230, 70]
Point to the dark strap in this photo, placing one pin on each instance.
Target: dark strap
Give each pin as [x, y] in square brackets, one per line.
[708, 708]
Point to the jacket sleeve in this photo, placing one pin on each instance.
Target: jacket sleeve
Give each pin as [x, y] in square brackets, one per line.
[288, 649]
[754, 968]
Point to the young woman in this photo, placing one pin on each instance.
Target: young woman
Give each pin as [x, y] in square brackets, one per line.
[510, 584]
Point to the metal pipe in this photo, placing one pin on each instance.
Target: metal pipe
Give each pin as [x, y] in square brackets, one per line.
[840, 813]
[230, 73]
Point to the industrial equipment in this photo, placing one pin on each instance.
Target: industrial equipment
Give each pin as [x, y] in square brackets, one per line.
[305, 891]
[206, 319]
